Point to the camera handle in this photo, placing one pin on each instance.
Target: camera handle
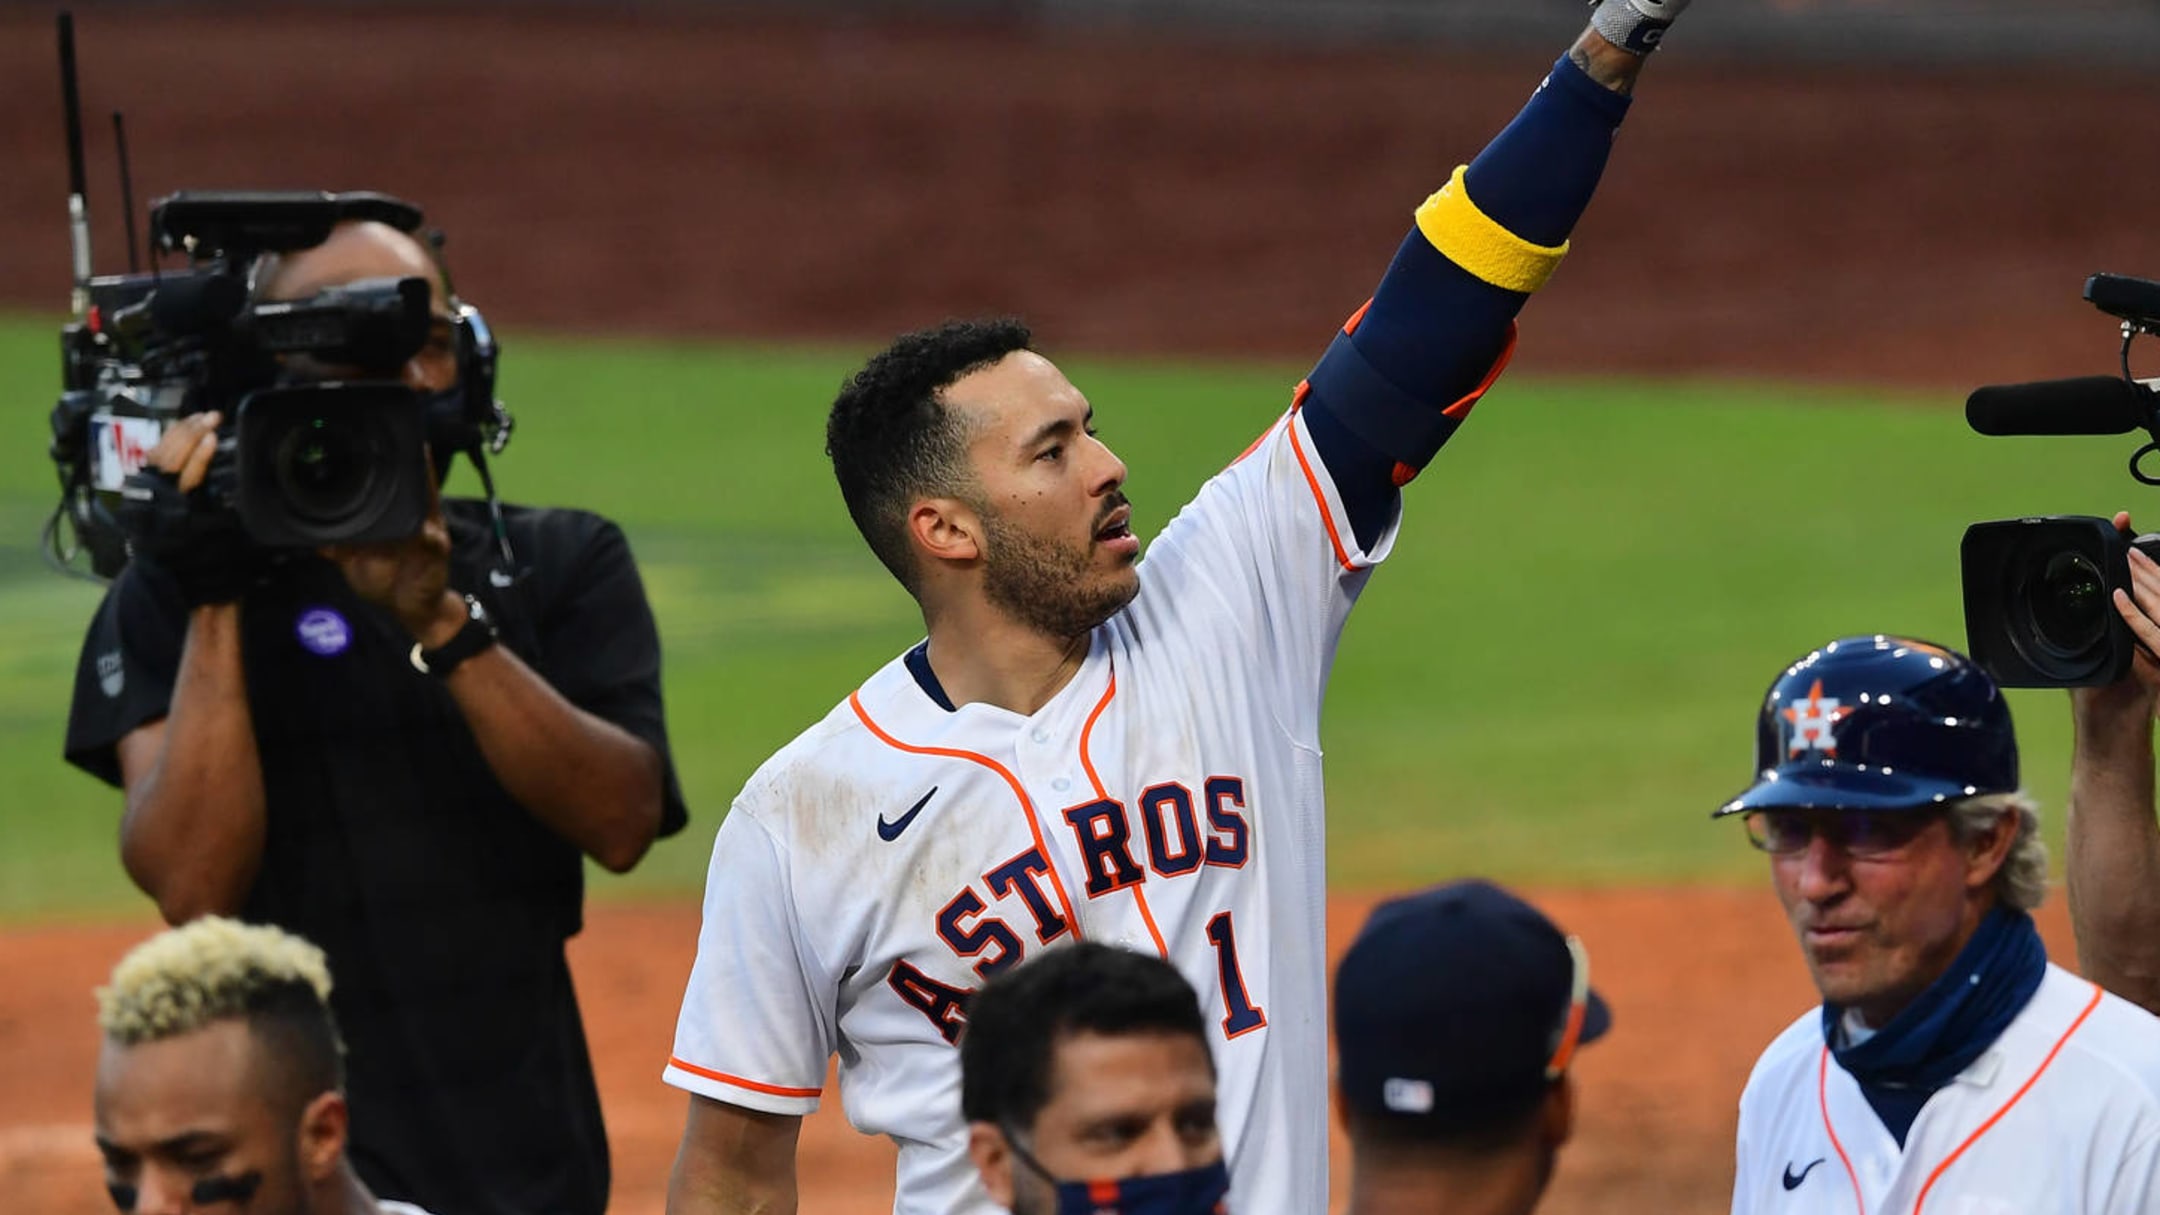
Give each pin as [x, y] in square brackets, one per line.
[2151, 421]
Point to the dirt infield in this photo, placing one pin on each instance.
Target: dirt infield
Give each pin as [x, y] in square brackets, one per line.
[679, 170]
[1699, 981]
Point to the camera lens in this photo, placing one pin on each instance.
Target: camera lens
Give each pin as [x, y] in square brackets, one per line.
[2067, 603]
[326, 468]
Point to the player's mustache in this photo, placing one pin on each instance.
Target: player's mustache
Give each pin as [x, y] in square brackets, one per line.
[1111, 504]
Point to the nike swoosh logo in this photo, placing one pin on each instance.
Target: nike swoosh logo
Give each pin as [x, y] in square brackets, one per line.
[1792, 1182]
[891, 831]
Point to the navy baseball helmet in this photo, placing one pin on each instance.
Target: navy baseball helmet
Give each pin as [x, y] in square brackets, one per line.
[1880, 723]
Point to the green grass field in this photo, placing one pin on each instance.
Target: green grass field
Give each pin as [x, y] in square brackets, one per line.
[1553, 679]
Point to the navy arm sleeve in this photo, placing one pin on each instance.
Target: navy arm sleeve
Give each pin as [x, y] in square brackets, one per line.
[1379, 403]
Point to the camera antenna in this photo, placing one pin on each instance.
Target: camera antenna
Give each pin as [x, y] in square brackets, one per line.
[78, 206]
[127, 191]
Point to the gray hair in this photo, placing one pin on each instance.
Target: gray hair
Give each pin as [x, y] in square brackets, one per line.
[2022, 881]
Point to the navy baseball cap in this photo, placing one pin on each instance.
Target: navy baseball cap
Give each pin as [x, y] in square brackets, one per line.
[1460, 1001]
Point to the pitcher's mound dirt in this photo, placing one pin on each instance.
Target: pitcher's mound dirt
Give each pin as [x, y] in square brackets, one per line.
[1699, 981]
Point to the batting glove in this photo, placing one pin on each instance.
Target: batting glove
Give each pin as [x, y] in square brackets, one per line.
[1635, 25]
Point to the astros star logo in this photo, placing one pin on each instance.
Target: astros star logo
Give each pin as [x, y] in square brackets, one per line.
[1811, 721]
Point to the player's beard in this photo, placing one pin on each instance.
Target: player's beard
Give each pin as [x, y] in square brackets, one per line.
[1049, 587]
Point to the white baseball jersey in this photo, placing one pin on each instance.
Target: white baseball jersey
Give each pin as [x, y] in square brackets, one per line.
[2061, 1115]
[878, 868]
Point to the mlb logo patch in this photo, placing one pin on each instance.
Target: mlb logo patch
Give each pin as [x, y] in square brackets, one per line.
[1407, 1096]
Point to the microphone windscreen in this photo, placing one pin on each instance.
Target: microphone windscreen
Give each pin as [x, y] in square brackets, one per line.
[2086, 405]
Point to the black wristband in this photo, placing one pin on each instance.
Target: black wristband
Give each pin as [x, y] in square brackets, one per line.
[477, 634]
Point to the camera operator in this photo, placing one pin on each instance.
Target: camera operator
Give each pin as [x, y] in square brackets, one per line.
[336, 743]
[2114, 839]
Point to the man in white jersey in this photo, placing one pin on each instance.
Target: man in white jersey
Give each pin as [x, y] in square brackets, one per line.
[1086, 747]
[221, 1078]
[1951, 1068]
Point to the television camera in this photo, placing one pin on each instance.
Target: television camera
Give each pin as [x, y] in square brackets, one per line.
[2039, 592]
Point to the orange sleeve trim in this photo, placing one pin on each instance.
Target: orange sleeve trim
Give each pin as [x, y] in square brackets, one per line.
[1461, 409]
[1327, 518]
[1357, 318]
[1057, 880]
[753, 1085]
[2015, 1097]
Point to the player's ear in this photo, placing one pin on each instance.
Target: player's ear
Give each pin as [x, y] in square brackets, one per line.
[946, 529]
[1988, 851]
[993, 1159]
[324, 1123]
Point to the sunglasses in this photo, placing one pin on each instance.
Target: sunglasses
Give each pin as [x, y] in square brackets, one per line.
[1857, 833]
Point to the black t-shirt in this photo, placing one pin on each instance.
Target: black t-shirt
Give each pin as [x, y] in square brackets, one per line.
[443, 905]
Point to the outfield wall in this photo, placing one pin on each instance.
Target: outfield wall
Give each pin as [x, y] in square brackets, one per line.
[2115, 32]
[708, 171]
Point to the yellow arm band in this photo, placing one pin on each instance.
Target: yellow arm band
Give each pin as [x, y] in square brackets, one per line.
[1476, 242]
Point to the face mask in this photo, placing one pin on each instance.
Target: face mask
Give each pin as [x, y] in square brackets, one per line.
[1197, 1191]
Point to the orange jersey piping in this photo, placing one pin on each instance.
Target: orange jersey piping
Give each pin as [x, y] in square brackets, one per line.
[2015, 1097]
[1057, 880]
[1087, 764]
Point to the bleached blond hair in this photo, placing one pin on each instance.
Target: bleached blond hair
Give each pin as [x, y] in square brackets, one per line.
[208, 970]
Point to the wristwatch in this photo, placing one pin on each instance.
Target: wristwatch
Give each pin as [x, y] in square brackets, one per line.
[477, 634]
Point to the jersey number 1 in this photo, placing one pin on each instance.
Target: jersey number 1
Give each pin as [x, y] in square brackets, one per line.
[1240, 1016]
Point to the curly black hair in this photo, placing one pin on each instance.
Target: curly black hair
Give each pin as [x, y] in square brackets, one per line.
[891, 438]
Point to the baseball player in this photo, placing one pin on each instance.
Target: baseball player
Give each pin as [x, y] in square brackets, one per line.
[221, 1078]
[1086, 747]
[1951, 1068]
[1452, 1072]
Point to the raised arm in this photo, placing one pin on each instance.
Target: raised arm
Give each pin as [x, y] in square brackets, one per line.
[1407, 368]
[192, 833]
[588, 779]
[2113, 866]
